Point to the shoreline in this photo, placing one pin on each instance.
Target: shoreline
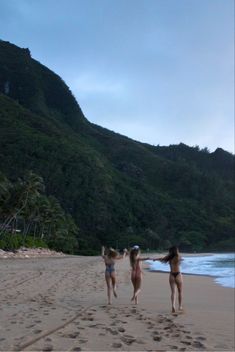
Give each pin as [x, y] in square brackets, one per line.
[188, 274]
[205, 265]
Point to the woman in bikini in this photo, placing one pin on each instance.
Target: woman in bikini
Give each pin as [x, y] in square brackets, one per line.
[110, 256]
[175, 277]
[136, 272]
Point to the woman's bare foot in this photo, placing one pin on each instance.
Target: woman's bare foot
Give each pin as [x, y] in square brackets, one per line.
[173, 310]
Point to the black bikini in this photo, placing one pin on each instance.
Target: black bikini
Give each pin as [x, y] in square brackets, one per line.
[175, 274]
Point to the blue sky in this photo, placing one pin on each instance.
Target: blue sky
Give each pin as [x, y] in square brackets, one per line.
[158, 71]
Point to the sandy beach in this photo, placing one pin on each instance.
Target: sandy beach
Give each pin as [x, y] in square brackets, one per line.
[59, 304]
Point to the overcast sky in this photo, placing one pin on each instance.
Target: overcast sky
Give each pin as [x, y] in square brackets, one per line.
[158, 71]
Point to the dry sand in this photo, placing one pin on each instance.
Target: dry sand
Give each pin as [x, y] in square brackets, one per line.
[59, 304]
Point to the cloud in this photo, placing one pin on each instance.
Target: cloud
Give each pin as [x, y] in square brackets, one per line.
[156, 71]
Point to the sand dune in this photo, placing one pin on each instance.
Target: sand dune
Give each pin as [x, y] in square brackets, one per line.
[59, 304]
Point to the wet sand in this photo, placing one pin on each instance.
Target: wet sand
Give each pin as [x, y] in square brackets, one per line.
[59, 304]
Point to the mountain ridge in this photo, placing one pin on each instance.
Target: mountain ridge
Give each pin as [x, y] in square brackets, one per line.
[119, 191]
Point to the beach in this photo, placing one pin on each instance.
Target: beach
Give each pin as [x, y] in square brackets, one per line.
[60, 304]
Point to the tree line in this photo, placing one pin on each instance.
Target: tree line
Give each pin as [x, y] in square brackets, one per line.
[29, 217]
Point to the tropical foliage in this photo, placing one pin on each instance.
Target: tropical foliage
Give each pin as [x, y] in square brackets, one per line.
[28, 216]
[115, 190]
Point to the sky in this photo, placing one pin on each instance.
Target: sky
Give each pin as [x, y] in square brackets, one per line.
[157, 71]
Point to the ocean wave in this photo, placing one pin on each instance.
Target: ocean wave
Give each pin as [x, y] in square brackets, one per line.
[219, 266]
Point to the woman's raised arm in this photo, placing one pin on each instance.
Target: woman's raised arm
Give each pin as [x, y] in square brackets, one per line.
[102, 252]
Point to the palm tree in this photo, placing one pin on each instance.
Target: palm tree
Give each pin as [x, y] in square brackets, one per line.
[26, 191]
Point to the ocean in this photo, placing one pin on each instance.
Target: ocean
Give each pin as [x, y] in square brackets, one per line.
[220, 266]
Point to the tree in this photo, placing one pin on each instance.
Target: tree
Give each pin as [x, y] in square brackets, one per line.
[25, 192]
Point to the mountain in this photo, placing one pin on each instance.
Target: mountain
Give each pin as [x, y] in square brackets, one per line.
[118, 191]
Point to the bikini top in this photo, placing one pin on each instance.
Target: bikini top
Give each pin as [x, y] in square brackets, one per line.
[110, 266]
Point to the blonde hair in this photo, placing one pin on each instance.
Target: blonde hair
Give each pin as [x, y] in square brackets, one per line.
[133, 254]
[111, 253]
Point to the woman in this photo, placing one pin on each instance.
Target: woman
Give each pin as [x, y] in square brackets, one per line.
[136, 272]
[110, 255]
[175, 277]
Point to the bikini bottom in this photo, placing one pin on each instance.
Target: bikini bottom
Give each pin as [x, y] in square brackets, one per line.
[175, 274]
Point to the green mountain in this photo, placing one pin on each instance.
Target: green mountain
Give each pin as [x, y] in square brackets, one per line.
[118, 191]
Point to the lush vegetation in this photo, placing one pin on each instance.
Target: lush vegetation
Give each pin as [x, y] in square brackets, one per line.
[29, 218]
[115, 190]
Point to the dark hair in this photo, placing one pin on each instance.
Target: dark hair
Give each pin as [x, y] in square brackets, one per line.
[173, 252]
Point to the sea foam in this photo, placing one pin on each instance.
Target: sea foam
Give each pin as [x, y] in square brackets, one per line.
[220, 266]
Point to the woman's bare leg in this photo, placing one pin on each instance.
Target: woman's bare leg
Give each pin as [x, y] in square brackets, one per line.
[173, 287]
[113, 278]
[109, 288]
[137, 290]
[133, 283]
[179, 283]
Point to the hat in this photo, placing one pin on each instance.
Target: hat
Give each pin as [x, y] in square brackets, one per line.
[136, 247]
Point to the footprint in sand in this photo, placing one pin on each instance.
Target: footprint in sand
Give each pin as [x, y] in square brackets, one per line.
[201, 338]
[160, 321]
[186, 343]
[117, 345]
[30, 326]
[128, 339]
[150, 326]
[113, 332]
[120, 329]
[83, 340]
[167, 328]
[198, 344]
[73, 335]
[37, 331]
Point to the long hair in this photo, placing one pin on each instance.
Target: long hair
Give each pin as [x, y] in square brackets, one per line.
[111, 253]
[133, 254]
[173, 253]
